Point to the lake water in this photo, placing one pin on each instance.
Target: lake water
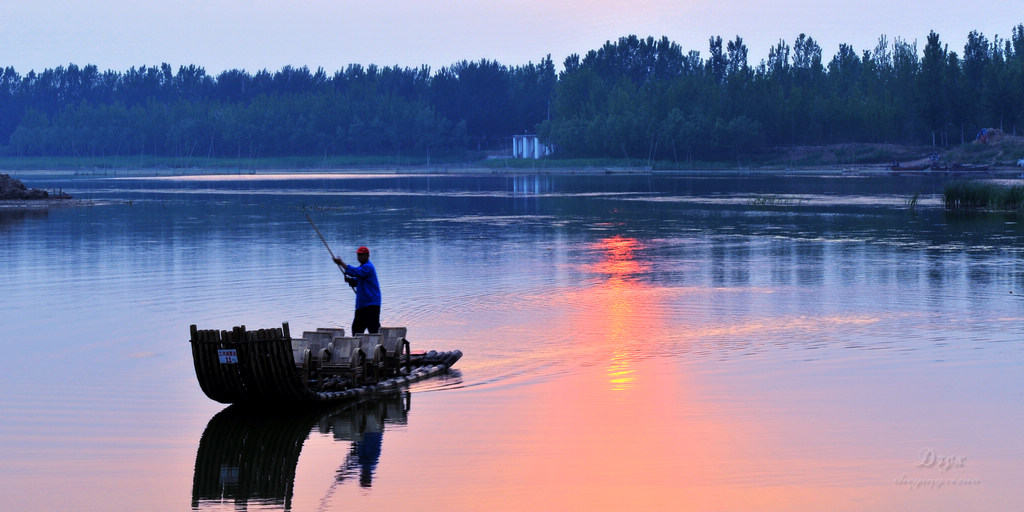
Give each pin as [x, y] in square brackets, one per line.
[631, 343]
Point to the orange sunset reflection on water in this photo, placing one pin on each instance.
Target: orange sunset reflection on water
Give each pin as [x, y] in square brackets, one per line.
[617, 307]
[632, 430]
[626, 432]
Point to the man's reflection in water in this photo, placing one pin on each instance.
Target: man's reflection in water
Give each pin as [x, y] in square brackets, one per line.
[364, 455]
[248, 456]
[365, 452]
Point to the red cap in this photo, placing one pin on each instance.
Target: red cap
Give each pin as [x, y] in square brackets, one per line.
[362, 250]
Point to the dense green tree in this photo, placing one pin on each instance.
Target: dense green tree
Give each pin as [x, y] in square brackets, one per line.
[933, 95]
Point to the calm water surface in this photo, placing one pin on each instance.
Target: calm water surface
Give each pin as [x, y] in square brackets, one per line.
[631, 343]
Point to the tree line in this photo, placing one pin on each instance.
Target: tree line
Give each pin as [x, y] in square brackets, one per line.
[639, 98]
[647, 98]
[73, 111]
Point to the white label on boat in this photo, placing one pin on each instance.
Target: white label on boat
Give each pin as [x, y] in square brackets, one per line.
[227, 356]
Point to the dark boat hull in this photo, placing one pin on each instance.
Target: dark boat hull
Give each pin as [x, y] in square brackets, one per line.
[258, 368]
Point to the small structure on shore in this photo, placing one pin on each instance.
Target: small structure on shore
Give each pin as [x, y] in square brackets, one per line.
[529, 146]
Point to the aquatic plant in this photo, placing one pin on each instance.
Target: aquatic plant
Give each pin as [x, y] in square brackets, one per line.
[912, 202]
[773, 200]
[983, 195]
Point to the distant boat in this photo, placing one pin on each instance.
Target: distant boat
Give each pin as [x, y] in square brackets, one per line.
[969, 167]
[267, 367]
[897, 167]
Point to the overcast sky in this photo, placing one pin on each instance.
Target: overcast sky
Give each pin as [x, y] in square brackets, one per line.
[262, 34]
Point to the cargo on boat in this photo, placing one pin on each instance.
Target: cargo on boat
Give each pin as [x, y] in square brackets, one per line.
[269, 367]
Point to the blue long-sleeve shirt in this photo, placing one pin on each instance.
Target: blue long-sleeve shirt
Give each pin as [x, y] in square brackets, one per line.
[367, 286]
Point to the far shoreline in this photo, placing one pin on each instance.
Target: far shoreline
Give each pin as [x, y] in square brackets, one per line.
[46, 203]
[367, 172]
[853, 159]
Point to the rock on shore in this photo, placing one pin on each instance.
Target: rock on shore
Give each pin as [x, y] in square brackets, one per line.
[11, 188]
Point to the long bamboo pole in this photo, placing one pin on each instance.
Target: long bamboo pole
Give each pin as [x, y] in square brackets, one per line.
[322, 239]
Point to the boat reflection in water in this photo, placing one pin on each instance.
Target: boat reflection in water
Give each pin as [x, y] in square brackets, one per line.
[248, 457]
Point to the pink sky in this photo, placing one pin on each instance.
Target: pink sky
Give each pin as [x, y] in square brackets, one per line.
[261, 34]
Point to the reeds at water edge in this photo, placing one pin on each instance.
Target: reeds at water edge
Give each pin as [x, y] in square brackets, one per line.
[983, 195]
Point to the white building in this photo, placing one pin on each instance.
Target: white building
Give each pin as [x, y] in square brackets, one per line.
[529, 146]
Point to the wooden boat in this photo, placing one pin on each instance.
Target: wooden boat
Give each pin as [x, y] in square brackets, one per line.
[898, 167]
[268, 367]
[958, 167]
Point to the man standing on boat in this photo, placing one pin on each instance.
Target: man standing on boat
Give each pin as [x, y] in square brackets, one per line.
[367, 292]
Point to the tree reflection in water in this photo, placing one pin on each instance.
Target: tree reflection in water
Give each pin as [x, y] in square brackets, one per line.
[248, 457]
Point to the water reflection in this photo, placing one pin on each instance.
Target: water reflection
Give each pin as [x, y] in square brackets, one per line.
[10, 216]
[621, 264]
[656, 343]
[532, 185]
[620, 261]
[248, 457]
[616, 305]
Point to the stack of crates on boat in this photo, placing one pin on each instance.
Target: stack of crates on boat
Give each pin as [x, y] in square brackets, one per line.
[396, 348]
[328, 349]
[315, 342]
[377, 355]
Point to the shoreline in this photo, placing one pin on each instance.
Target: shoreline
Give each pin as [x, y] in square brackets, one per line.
[46, 204]
[1001, 156]
[853, 170]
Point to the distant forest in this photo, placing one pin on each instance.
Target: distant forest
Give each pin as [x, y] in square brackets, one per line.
[637, 98]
